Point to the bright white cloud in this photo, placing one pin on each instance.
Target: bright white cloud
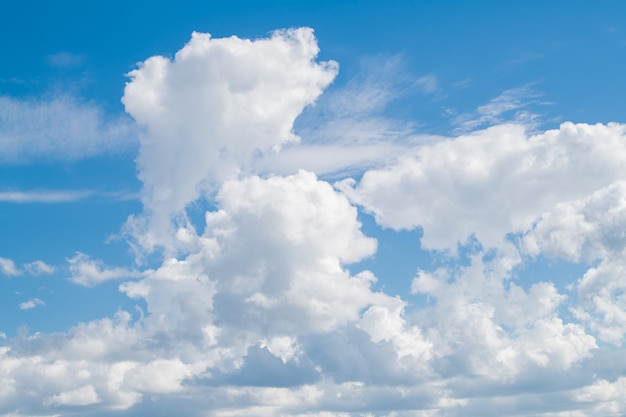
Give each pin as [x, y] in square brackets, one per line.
[275, 250]
[61, 128]
[259, 315]
[213, 108]
[89, 272]
[492, 182]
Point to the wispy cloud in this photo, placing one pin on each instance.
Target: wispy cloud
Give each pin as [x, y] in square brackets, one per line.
[62, 196]
[60, 128]
[89, 272]
[7, 267]
[511, 105]
[30, 304]
[428, 83]
[351, 127]
[39, 268]
[65, 59]
[43, 196]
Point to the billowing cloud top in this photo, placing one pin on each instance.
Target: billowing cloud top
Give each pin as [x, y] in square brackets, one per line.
[266, 308]
[216, 105]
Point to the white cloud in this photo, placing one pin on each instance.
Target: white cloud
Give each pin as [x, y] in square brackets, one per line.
[30, 304]
[349, 129]
[508, 106]
[605, 397]
[491, 327]
[61, 128]
[7, 267]
[589, 230]
[42, 196]
[492, 182]
[259, 315]
[213, 108]
[39, 268]
[584, 229]
[86, 395]
[89, 272]
[275, 250]
[267, 272]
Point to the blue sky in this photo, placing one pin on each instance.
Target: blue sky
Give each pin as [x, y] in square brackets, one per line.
[312, 208]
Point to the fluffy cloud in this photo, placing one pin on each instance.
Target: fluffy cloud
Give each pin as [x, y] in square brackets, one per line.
[590, 230]
[270, 261]
[213, 108]
[490, 183]
[255, 311]
[61, 128]
[81, 396]
[268, 273]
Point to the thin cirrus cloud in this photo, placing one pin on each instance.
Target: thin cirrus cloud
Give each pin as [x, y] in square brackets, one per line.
[43, 196]
[65, 59]
[512, 105]
[59, 128]
[268, 310]
[62, 196]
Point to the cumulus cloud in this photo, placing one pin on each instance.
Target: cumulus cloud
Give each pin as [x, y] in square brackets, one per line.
[81, 396]
[267, 273]
[490, 183]
[590, 230]
[264, 308]
[274, 254]
[60, 128]
[213, 108]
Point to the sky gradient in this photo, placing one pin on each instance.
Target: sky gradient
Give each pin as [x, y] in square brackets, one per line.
[324, 209]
